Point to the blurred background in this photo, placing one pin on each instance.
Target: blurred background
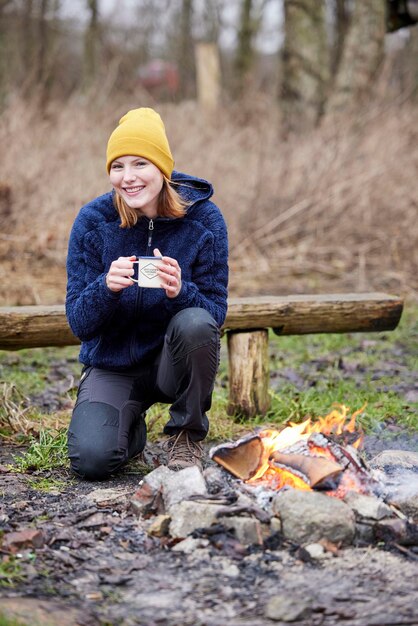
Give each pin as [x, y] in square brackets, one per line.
[302, 113]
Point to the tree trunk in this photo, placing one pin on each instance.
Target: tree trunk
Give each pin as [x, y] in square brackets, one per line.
[245, 54]
[341, 22]
[362, 56]
[3, 54]
[186, 50]
[41, 74]
[28, 48]
[412, 49]
[248, 373]
[305, 63]
[91, 43]
[208, 74]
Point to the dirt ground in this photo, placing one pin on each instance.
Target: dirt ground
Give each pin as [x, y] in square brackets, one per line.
[95, 564]
[90, 562]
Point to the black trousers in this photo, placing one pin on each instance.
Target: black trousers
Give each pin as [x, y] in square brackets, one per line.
[108, 422]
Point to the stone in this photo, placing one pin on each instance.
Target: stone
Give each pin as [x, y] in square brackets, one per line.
[159, 526]
[398, 472]
[367, 507]
[190, 544]
[248, 530]
[21, 539]
[231, 570]
[37, 612]
[147, 499]
[388, 459]
[107, 497]
[95, 520]
[308, 517]
[364, 533]
[407, 503]
[275, 526]
[181, 485]
[287, 608]
[315, 550]
[157, 477]
[188, 516]
[215, 478]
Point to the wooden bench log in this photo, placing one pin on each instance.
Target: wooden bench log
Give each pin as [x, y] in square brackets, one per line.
[248, 363]
[42, 326]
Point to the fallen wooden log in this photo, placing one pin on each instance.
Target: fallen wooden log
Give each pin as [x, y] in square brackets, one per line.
[42, 326]
[324, 313]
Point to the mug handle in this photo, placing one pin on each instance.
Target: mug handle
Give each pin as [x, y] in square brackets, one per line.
[134, 280]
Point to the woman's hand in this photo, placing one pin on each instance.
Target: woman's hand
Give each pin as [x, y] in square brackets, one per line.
[117, 277]
[170, 274]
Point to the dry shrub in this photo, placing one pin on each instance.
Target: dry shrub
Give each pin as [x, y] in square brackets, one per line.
[333, 209]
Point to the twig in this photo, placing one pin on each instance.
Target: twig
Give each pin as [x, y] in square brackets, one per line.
[405, 551]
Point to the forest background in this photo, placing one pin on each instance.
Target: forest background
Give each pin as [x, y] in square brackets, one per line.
[310, 133]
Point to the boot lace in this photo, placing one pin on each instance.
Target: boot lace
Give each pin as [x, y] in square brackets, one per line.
[182, 451]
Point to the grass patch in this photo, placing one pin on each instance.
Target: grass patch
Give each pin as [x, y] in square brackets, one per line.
[28, 369]
[351, 369]
[7, 621]
[25, 374]
[10, 573]
[46, 485]
[290, 406]
[46, 453]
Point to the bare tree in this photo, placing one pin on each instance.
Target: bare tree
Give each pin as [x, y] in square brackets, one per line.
[245, 53]
[186, 50]
[211, 20]
[250, 20]
[42, 37]
[91, 43]
[362, 55]
[305, 62]
[3, 51]
[341, 21]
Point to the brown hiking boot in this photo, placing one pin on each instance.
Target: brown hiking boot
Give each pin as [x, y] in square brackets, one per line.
[183, 452]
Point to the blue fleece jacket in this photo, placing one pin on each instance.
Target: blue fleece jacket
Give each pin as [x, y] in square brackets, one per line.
[124, 329]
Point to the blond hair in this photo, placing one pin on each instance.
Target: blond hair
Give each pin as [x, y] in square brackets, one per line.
[170, 204]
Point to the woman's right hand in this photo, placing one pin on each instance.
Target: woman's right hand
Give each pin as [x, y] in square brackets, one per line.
[117, 277]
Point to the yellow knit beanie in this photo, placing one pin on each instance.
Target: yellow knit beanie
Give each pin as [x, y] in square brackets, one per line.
[141, 132]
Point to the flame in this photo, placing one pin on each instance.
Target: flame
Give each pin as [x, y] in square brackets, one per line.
[336, 423]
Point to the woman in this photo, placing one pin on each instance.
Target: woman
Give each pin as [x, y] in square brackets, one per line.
[139, 345]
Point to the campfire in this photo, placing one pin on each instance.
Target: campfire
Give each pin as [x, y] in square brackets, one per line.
[280, 493]
[320, 455]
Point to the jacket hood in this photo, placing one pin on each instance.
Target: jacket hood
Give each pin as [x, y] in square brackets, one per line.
[190, 188]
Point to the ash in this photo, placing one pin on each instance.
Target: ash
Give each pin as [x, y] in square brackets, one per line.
[98, 553]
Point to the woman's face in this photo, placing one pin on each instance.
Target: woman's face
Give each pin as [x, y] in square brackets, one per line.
[138, 181]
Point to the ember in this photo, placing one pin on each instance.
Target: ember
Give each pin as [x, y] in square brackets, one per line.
[311, 455]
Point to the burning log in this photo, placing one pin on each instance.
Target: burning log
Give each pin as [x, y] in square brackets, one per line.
[313, 470]
[304, 456]
[243, 458]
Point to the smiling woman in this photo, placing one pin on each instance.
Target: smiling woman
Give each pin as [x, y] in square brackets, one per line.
[139, 166]
[139, 182]
[140, 345]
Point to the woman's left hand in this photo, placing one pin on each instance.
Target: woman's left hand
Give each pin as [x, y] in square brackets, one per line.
[170, 274]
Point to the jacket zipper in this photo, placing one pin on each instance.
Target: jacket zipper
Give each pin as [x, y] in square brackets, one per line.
[150, 233]
[138, 297]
